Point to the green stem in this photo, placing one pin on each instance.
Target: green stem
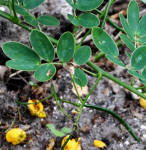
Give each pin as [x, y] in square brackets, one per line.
[89, 72]
[106, 12]
[115, 115]
[14, 11]
[97, 57]
[118, 81]
[10, 7]
[84, 37]
[13, 20]
[143, 87]
[74, 84]
[85, 100]
[57, 102]
[111, 22]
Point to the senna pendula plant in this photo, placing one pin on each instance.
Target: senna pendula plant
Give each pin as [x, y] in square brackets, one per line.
[69, 52]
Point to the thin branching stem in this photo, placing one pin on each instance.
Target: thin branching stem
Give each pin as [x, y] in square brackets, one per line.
[106, 12]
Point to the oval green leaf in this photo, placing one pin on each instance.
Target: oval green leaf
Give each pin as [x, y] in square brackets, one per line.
[42, 45]
[127, 41]
[31, 4]
[138, 59]
[88, 20]
[18, 51]
[86, 5]
[142, 26]
[31, 20]
[104, 42]
[133, 16]
[80, 77]
[136, 74]
[144, 73]
[45, 72]
[115, 60]
[82, 55]
[73, 20]
[26, 65]
[48, 20]
[126, 27]
[65, 47]
[21, 10]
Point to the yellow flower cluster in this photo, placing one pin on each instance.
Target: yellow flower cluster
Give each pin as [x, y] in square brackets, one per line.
[15, 136]
[36, 108]
[142, 102]
[72, 144]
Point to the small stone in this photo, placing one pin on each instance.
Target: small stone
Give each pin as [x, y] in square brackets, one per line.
[143, 127]
[127, 143]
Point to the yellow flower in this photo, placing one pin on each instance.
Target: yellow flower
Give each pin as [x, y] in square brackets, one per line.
[142, 102]
[99, 144]
[72, 144]
[36, 109]
[15, 136]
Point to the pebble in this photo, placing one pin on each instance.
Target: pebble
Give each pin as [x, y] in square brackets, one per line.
[143, 127]
[127, 143]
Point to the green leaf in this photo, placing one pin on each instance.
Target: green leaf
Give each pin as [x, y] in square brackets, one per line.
[127, 41]
[58, 133]
[93, 21]
[128, 54]
[48, 20]
[66, 130]
[65, 47]
[142, 26]
[126, 27]
[87, 5]
[80, 77]
[104, 42]
[23, 65]
[31, 4]
[19, 51]
[133, 16]
[55, 131]
[31, 20]
[82, 55]
[45, 72]
[142, 40]
[138, 59]
[71, 3]
[115, 60]
[144, 73]
[42, 45]
[20, 10]
[136, 74]
[73, 20]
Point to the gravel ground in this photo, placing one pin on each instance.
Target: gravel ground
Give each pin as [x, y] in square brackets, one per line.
[93, 124]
